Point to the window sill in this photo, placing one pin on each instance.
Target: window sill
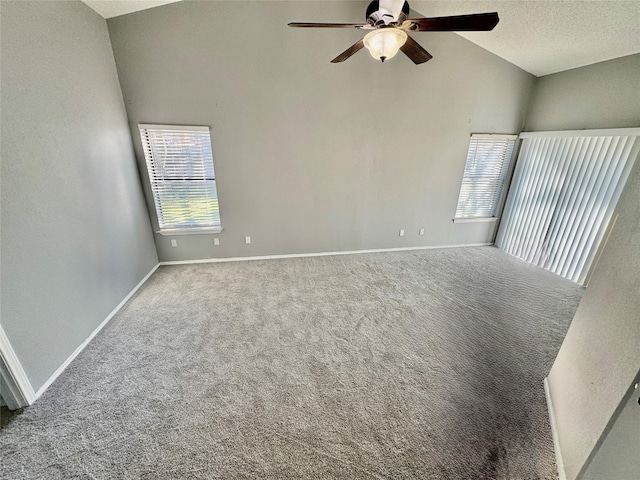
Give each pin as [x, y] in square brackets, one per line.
[475, 220]
[190, 231]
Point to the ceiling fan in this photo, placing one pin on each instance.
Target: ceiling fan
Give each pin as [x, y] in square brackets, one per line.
[389, 23]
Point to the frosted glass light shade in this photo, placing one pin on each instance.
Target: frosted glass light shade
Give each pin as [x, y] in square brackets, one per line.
[384, 43]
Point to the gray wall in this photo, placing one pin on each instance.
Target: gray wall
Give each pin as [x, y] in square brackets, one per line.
[598, 360]
[619, 456]
[602, 95]
[312, 156]
[76, 235]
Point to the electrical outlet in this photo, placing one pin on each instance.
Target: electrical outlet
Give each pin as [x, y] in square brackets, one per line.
[247, 240]
[402, 232]
[216, 241]
[174, 242]
[421, 232]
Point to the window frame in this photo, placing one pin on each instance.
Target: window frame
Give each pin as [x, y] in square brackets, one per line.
[156, 180]
[505, 157]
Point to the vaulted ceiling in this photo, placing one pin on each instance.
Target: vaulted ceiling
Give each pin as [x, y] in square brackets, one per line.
[115, 8]
[549, 36]
[539, 36]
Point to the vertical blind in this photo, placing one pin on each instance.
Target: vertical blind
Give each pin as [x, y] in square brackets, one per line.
[484, 175]
[180, 165]
[564, 190]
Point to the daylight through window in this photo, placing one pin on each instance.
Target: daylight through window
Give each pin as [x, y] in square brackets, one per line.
[180, 165]
[484, 175]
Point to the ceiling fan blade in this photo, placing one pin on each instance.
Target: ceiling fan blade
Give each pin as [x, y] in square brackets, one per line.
[458, 23]
[329, 25]
[415, 52]
[356, 47]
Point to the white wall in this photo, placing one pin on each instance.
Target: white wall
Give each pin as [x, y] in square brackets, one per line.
[76, 235]
[598, 360]
[312, 156]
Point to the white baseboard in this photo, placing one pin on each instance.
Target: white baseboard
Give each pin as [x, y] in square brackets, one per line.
[17, 390]
[554, 431]
[66, 363]
[317, 254]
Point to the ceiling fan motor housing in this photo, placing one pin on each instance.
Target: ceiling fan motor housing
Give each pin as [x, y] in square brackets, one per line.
[381, 17]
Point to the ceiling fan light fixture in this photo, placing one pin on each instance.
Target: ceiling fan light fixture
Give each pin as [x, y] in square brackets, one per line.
[384, 43]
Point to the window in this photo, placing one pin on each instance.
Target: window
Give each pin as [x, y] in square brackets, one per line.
[563, 195]
[484, 176]
[180, 165]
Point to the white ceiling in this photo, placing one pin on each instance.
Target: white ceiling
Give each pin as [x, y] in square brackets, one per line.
[114, 8]
[549, 36]
[540, 36]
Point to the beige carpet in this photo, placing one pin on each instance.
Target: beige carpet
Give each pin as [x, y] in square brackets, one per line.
[424, 364]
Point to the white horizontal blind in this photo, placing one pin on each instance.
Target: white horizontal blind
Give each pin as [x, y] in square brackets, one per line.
[484, 175]
[180, 165]
[562, 197]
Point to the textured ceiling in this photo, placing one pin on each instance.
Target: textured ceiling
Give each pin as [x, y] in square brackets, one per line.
[539, 36]
[113, 8]
[548, 36]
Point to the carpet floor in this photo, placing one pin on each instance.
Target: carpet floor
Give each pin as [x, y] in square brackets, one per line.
[422, 364]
